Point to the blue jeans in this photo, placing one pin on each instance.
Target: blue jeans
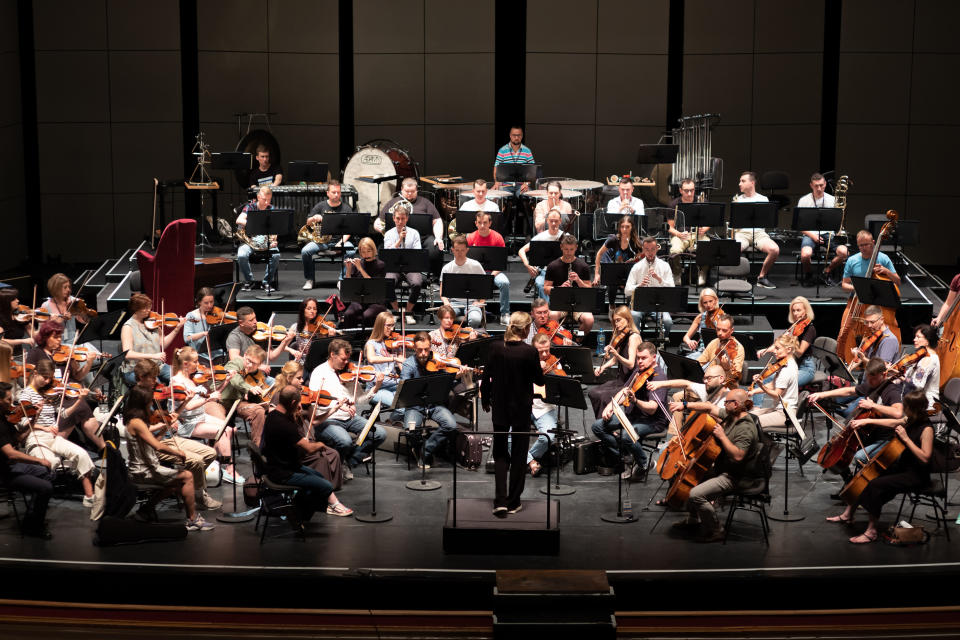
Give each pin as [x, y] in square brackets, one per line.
[384, 397]
[314, 493]
[805, 370]
[336, 434]
[503, 284]
[164, 377]
[444, 419]
[543, 424]
[474, 314]
[864, 455]
[604, 429]
[243, 259]
[306, 254]
[538, 282]
[638, 317]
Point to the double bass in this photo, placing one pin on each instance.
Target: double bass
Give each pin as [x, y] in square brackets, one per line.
[851, 325]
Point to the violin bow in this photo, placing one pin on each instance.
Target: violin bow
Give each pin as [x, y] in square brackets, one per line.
[76, 294]
[226, 307]
[270, 335]
[356, 381]
[33, 318]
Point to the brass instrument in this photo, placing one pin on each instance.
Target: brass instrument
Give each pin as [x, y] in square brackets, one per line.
[311, 233]
[241, 235]
[840, 196]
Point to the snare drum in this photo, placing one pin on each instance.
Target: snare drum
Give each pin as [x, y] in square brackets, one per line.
[374, 159]
[592, 192]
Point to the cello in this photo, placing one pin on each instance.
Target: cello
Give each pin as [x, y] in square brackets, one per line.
[699, 450]
[886, 457]
[948, 349]
[852, 322]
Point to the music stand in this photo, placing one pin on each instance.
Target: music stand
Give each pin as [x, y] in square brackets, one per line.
[702, 214]
[543, 252]
[104, 374]
[467, 286]
[905, 234]
[516, 172]
[473, 353]
[306, 171]
[344, 224]
[573, 299]
[578, 361]
[817, 219]
[834, 365]
[657, 153]
[882, 293]
[106, 326]
[271, 222]
[364, 290]
[218, 337]
[491, 258]
[564, 392]
[718, 253]
[467, 220]
[657, 300]
[422, 222]
[373, 516]
[404, 261]
[231, 161]
[319, 351]
[426, 392]
[378, 180]
[613, 276]
[679, 367]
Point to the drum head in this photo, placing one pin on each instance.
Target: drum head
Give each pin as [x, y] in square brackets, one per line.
[249, 144]
[377, 158]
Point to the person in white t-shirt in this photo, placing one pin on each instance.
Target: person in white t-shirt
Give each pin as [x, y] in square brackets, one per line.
[551, 234]
[479, 201]
[626, 203]
[818, 198]
[784, 392]
[462, 264]
[755, 237]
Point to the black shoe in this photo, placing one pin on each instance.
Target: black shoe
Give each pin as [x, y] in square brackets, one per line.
[835, 496]
[246, 286]
[765, 283]
[529, 286]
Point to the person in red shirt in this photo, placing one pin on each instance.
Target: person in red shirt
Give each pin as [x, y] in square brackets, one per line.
[484, 236]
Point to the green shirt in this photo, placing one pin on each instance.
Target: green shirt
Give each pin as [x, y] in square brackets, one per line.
[237, 388]
[744, 436]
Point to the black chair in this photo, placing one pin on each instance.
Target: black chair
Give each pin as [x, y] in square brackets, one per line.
[275, 499]
[753, 497]
[934, 495]
[770, 182]
[10, 496]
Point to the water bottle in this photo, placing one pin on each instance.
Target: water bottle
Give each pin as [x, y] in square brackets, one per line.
[601, 343]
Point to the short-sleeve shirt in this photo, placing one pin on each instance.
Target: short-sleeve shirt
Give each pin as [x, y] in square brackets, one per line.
[8, 436]
[323, 207]
[469, 266]
[488, 205]
[237, 339]
[615, 253]
[826, 202]
[260, 178]
[493, 239]
[891, 394]
[809, 334]
[280, 438]
[615, 205]
[744, 436]
[955, 283]
[857, 265]
[558, 269]
[506, 155]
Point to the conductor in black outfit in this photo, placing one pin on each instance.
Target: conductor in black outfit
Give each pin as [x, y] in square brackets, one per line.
[512, 368]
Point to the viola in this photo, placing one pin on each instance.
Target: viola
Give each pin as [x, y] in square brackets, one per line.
[866, 343]
[265, 332]
[558, 335]
[256, 378]
[458, 333]
[167, 320]
[23, 409]
[219, 316]
[552, 366]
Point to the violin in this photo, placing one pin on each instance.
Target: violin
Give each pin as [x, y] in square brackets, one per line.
[711, 318]
[256, 378]
[18, 370]
[799, 327]
[219, 316]
[80, 308]
[82, 354]
[726, 355]
[865, 344]
[900, 367]
[366, 373]
[167, 320]
[459, 333]
[551, 365]
[636, 382]
[24, 314]
[70, 390]
[161, 392]
[438, 364]
[558, 335]
[265, 332]
[203, 374]
[180, 393]
[396, 342]
[320, 328]
[23, 409]
[772, 369]
[319, 397]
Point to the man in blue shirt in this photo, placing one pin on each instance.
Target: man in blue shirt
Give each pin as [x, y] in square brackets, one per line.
[415, 367]
[857, 264]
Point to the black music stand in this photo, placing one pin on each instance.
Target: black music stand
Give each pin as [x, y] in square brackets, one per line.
[657, 300]
[372, 517]
[377, 180]
[104, 374]
[468, 286]
[702, 214]
[882, 293]
[306, 171]
[717, 253]
[573, 299]
[905, 234]
[577, 361]
[679, 367]
[473, 353]
[613, 276]
[422, 222]
[344, 224]
[564, 392]
[404, 261]
[106, 326]
[426, 392]
[657, 153]
[218, 337]
[817, 219]
[832, 363]
[543, 252]
[467, 221]
[271, 222]
[364, 290]
[516, 172]
[231, 161]
[491, 258]
[753, 215]
[318, 353]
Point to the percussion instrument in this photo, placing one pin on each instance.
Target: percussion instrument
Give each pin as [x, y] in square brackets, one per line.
[589, 189]
[377, 158]
[304, 197]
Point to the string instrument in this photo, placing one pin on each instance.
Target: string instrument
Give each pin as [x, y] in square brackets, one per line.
[19, 370]
[352, 372]
[725, 356]
[710, 319]
[438, 364]
[204, 374]
[397, 342]
[23, 409]
[219, 316]
[900, 367]
[24, 314]
[69, 390]
[256, 379]
[80, 308]
[865, 344]
[799, 327]
[773, 368]
[155, 320]
[319, 397]
[552, 366]
[633, 386]
[699, 450]
[885, 457]
[949, 346]
[320, 328]
[265, 332]
[556, 332]
[76, 354]
[852, 319]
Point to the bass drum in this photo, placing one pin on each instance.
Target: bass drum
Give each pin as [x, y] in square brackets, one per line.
[249, 144]
[377, 158]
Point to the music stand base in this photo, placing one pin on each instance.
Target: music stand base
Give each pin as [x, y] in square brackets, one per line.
[273, 295]
[559, 490]
[786, 517]
[237, 517]
[424, 485]
[616, 518]
[373, 517]
[820, 299]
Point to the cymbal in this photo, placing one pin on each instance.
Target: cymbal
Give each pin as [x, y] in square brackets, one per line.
[542, 193]
[580, 184]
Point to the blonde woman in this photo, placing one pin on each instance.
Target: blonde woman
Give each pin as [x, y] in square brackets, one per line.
[367, 265]
[800, 318]
[376, 353]
[708, 303]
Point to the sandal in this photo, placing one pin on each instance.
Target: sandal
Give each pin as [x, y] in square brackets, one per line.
[864, 538]
[339, 509]
[534, 468]
[840, 519]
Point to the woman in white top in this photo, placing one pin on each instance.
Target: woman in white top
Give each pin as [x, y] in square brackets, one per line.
[925, 374]
[142, 343]
[375, 352]
[708, 304]
[62, 305]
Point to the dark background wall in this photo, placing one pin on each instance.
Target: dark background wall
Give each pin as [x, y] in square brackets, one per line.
[592, 80]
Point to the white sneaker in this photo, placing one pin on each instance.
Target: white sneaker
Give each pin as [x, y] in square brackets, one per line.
[505, 320]
[233, 478]
[410, 319]
[88, 501]
[212, 473]
[207, 502]
[308, 285]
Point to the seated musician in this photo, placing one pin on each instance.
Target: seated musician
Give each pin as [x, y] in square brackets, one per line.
[569, 271]
[554, 200]
[77, 411]
[911, 471]
[544, 416]
[385, 361]
[551, 234]
[21, 472]
[340, 419]
[484, 236]
[800, 318]
[433, 242]
[782, 390]
[403, 237]
[442, 345]
[756, 237]
[739, 440]
[684, 241]
[63, 306]
[542, 316]
[301, 334]
[241, 339]
[709, 306]
[257, 243]
[368, 265]
[195, 326]
[201, 415]
[643, 411]
[415, 366]
[621, 352]
[726, 350]
[882, 343]
[462, 264]
[649, 271]
[265, 173]
[857, 264]
[818, 198]
[143, 462]
[248, 388]
[479, 200]
[694, 396]
[197, 457]
[140, 342]
[622, 246]
[284, 447]
[43, 439]
[333, 204]
[925, 373]
[18, 335]
[952, 292]
[625, 203]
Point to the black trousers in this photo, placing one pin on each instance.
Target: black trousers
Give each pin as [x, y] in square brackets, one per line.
[512, 458]
[35, 479]
[433, 254]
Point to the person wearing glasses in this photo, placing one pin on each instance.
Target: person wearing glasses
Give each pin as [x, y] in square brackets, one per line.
[887, 347]
[857, 264]
[684, 241]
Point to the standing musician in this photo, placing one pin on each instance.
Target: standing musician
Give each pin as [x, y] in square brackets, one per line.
[857, 264]
[462, 264]
[643, 411]
[447, 348]
[479, 200]
[569, 271]
[415, 366]
[800, 318]
[21, 472]
[15, 333]
[945, 307]
[43, 439]
[623, 246]
[709, 392]
[910, 472]
[726, 350]
[650, 271]
[484, 236]
[433, 243]
[265, 173]
[540, 310]
[551, 234]
[376, 352]
[783, 391]
[625, 203]
[368, 265]
[333, 204]
[620, 353]
[924, 374]
[819, 198]
[248, 385]
[882, 343]
[554, 200]
[241, 339]
[340, 419]
[514, 152]
[62, 305]
[739, 439]
[196, 456]
[403, 237]
[709, 306]
[507, 387]
[257, 243]
[757, 238]
[195, 326]
[543, 415]
[684, 241]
